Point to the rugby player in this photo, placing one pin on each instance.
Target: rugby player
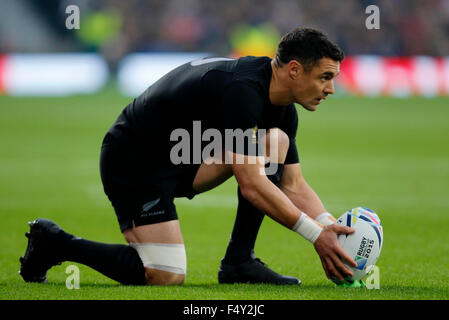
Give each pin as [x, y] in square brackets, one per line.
[141, 180]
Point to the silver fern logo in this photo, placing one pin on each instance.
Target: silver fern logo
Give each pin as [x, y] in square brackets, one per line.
[149, 205]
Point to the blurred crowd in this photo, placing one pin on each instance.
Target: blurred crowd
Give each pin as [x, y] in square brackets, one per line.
[237, 27]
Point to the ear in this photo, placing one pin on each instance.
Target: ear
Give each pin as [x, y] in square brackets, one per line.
[295, 69]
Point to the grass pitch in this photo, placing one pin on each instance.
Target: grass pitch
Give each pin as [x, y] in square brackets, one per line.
[391, 155]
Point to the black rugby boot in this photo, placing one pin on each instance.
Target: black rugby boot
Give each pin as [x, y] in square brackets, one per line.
[252, 271]
[41, 253]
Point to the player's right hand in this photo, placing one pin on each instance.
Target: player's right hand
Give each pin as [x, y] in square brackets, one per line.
[332, 254]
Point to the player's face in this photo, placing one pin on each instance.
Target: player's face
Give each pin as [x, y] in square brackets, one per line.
[312, 87]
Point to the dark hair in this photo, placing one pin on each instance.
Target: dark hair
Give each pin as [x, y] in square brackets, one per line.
[306, 46]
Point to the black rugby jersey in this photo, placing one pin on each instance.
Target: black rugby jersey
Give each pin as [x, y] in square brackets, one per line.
[221, 93]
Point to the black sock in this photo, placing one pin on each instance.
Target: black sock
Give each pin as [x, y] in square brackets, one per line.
[246, 227]
[116, 261]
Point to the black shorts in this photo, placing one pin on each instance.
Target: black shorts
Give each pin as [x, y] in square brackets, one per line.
[140, 191]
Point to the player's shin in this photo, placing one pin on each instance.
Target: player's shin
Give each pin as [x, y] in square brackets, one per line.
[116, 261]
[246, 226]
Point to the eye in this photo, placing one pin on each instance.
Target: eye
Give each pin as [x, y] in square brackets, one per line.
[326, 77]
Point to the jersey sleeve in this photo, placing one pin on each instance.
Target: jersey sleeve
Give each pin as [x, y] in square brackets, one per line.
[290, 127]
[241, 112]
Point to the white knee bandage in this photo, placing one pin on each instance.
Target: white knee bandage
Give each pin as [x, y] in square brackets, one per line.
[162, 256]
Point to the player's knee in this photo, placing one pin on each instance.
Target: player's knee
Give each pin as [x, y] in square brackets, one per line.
[163, 278]
[165, 263]
[277, 141]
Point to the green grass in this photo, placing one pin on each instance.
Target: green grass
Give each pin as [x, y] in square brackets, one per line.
[391, 155]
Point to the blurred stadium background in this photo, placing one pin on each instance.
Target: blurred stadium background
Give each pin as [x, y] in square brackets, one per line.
[114, 31]
[382, 142]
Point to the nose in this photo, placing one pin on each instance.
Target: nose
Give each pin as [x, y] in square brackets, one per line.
[329, 89]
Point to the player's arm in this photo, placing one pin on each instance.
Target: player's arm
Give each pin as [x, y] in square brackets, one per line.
[302, 195]
[261, 192]
[292, 182]
[242, 108]
[264, 195]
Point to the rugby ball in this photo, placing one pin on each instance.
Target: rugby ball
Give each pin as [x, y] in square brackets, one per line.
[365, 244]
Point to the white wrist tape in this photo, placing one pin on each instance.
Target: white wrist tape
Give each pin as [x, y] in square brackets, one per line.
[307, 227]
[324, 219]
[162, 256]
